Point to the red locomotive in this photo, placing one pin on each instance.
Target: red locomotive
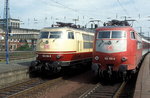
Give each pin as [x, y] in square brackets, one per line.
[117, 51]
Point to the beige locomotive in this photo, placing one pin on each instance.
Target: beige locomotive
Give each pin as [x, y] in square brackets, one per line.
[60, 47]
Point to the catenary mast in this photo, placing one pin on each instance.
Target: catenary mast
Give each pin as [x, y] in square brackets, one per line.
[6, 25]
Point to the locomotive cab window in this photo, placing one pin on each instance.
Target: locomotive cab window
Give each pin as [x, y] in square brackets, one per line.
[55, 34]
[50, 34]
[118, 34]
[70, 35]
[44, 34]
[132, 35]
[104, 34]
[111, 34]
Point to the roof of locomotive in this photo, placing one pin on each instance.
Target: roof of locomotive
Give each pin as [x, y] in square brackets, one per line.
[114, 28]
[68, 28]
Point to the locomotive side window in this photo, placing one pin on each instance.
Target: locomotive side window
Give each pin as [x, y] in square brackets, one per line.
[55, 34]
[118, 34]
[91, 38]
[44, 34]
[87, 41]
[88, 45]
[132, 35]
[70, 35]
[87, 37]
[103, 34]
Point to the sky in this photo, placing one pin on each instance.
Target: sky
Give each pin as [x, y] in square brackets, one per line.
[36, 14]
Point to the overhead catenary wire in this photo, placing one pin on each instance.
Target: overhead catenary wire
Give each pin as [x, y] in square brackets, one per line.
[125, 11]
[95, 12]
[138, 18]
[64, 6]
[76, 11]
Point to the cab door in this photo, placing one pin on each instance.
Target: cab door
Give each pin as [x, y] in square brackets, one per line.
[133, 41]
[71, 42]
[133, 47]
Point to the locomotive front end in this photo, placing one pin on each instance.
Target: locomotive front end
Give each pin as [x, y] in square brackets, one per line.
[49, 51]
[110, 52]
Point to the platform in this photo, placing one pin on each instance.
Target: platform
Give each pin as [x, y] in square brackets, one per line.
[14, 71]
[142, 89]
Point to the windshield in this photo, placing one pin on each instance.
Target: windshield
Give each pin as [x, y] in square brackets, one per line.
[44, 34]
[118, 34]
[55, 34]
[104, 34]
[111, 34]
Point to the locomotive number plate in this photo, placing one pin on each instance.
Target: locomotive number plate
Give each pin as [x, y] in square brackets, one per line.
[110, 58]
[45, 55]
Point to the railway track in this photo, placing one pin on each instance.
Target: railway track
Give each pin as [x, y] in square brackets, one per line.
[14, 58]
[24, 89]
[104, 91]
[92, 89]
[16, 55]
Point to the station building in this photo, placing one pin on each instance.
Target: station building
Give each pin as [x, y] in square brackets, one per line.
[17, 36]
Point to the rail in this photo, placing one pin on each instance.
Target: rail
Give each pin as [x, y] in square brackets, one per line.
[104, 91]
[15, 55]
[21, 89]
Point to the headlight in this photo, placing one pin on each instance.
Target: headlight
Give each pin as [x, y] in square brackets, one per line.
[123, 59]
[58, 56]
[96, 58]
[37, 55]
